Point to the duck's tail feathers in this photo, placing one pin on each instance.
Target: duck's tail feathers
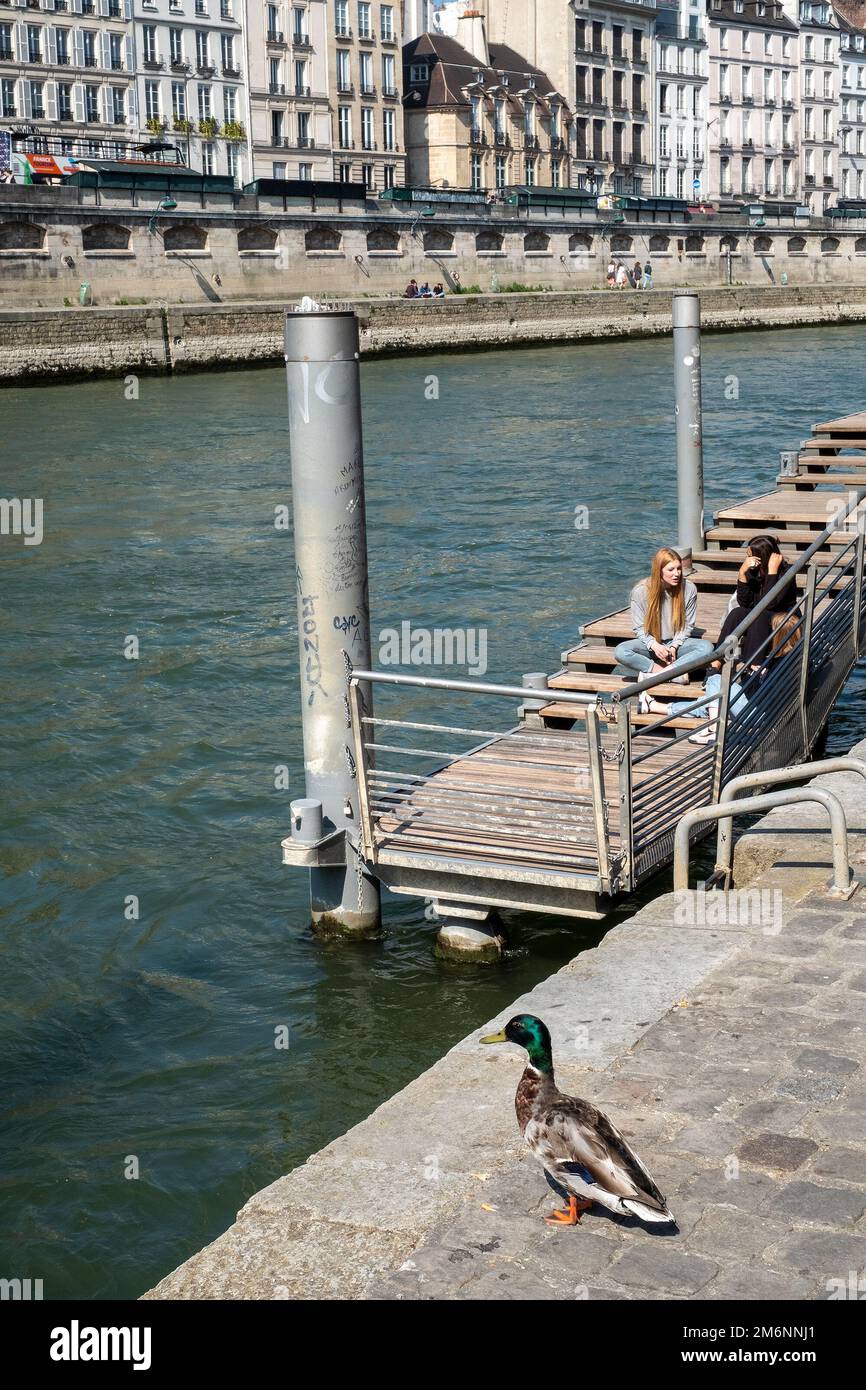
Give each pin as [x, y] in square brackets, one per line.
[647, 1213]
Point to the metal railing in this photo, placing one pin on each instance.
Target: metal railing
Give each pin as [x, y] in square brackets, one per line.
[602, 798]
[523, 796]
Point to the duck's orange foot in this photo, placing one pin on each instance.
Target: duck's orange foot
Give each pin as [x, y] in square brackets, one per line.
[571, 1217]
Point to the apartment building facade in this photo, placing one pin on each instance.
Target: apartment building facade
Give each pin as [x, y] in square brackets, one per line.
[852, 101]
[480, 116]
[752, 124]
[290, 115]
[67, 69]
[192, 81]
[820, 84]
[364, 62]
[682, 80]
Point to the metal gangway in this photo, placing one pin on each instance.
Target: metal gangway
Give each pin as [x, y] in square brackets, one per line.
[560, 794]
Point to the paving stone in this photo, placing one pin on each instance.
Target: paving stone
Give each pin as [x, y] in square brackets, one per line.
[823, 1255]
[824, 1206]
[858, 982]
[777, 1115]
[759, 1285]
[809, 1088]
[715, 1138]
[815, 975]
[750, 968]
[781, 996]
[849, 1165]
[779, 1152]
[815, 1059]
[730, 1236]
[658, 1265]
[744, 1189]
[697, 1103]
[788, 946]
[836, 1126]
[739, 1081]
[855, 931]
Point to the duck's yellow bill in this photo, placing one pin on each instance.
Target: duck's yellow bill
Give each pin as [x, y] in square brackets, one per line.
[494, 1037]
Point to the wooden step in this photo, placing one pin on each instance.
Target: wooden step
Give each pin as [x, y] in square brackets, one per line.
[809, 481]
[593, 680]
[783, 509]
[846, 424]
[588, 655]
[729, 536]
[558, 711]
[729, 561]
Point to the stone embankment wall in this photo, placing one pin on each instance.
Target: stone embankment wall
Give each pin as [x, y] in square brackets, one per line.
[207, 250]
[67, 343]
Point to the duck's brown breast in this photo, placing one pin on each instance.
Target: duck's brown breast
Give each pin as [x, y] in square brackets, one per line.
[527, 1092]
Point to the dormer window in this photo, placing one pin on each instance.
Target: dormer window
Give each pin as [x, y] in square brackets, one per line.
[479, 76]
[738, 6]
[418, 72]
[761, 7]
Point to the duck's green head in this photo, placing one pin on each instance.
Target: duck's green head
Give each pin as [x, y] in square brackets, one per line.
[527, 1031]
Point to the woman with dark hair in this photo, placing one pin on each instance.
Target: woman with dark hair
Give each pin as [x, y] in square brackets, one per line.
[758, 574]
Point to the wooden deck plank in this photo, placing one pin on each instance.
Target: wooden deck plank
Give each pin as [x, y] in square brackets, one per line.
[783, 507]
[848, 423]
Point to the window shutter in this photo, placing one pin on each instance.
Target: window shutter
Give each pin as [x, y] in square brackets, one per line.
[51, 100]
[78, 102]
[21, 46]
[103, 7]
[26, 103]
[105, 102]
[105, 51]
[76, 6]
[77, 48]
[49, 4]
[51, 37]
[130, 56]
[131, 107]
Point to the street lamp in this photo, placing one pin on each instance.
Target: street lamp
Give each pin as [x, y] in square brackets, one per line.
[166, 204]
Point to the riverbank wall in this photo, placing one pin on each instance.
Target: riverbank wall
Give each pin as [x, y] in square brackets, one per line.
[724, 1035]
[63, 344]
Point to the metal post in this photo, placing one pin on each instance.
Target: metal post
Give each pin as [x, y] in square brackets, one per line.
[722, 725]
[599, 803]
[858, 587]
[332, 592]
[626, 867]
[690, 455]
[806, 646]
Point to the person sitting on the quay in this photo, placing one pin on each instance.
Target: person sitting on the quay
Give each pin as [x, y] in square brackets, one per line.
[664, 607]
[411, 290]
[611, 274]
[425, 291]
[438, 291]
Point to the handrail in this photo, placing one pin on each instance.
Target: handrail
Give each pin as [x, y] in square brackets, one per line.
[521, 692]
[842, 886]
[769, 778]
[698, 662]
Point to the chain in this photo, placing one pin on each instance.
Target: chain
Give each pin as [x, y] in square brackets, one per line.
[353, 767]
[348, 712]
[616, 756]
[359, 873]
[348, 663]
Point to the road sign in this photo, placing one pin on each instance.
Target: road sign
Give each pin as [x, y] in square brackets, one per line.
[696, 185]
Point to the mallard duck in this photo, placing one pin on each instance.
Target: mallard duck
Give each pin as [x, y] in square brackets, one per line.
[578, 1146]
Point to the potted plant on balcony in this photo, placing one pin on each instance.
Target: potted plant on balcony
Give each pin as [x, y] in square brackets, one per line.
[155, 125]
[182, 125]
[208, 127]
[234, 130]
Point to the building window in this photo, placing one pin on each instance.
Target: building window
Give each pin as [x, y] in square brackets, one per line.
[202, 53]
[341, 19]
[344, 123]
[388, 83]
[501, 170]
[364, 22]
[475, 172]
[344, 173]
[386, 21]
[115, 42]
[276, 128]
[232, 159]
[178, 101]
[118, 105]
[663, 182]
[175, 43]
[151, 100]
[279, 171]
[207, 157]
[388, 130]
[148, 41]
[34, 43]
[227, 49]
[367, 142]
[530, 173]
[7, 97]
[305, 171]
[91, 104]
[418, 73]
[230, 98]
[388, 176]
[64, 101]
[344, 70]
[367, 175]
[365, 72]
[303, 130]
[204, 108]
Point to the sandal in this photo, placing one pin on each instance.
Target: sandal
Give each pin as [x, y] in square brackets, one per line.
[647, 705]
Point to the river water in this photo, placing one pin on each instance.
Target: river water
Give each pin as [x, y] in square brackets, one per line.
[139, 1037]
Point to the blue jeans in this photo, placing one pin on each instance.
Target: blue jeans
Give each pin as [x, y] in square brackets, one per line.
[638, 660]
[712, 686]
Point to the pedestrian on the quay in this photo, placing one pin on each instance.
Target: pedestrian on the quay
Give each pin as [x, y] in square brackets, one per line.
[637, 275]
[647, 276]
[611, 274]
[621, 276]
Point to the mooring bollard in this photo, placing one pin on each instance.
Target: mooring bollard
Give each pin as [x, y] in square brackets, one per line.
[332, 592]
[690, 449]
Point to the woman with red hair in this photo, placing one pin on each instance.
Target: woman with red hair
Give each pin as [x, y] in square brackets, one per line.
[664, 607]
